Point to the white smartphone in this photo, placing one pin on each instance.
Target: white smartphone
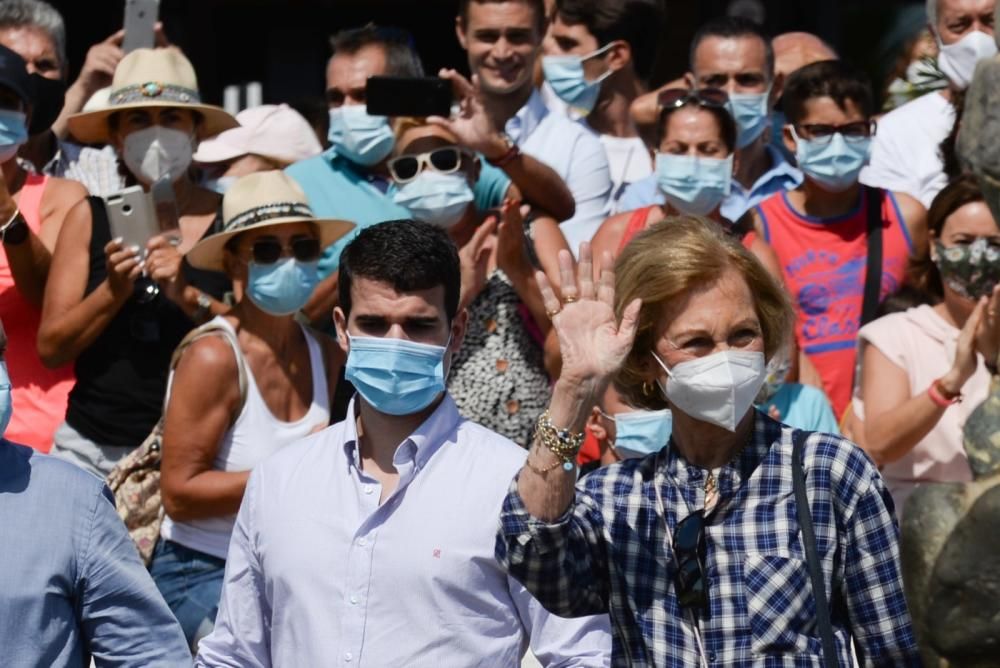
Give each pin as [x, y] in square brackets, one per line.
[132, 216]
[140, 19]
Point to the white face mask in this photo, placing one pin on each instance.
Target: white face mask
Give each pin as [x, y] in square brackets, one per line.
[717, 388]
[958, 61]
[156, 151]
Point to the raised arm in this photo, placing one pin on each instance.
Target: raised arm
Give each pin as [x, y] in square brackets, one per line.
[536, 182]
[72, 321]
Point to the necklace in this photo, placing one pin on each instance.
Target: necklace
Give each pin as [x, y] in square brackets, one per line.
[712, 480]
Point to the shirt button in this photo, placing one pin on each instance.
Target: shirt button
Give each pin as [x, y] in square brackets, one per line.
[695, 474]
[712, 657]
[354, 600]
[369, 489]
[348, 656]
[362, 542]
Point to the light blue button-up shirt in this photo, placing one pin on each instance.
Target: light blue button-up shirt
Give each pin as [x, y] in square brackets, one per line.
[782, 176]
[320, 574]
[71, 581]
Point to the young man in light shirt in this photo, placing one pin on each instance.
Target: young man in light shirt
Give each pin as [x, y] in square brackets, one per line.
[371, 543]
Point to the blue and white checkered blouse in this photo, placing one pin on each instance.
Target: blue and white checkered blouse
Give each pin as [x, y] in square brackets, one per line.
[610, 552]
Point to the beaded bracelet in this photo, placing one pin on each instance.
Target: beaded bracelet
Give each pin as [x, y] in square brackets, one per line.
[563, 443]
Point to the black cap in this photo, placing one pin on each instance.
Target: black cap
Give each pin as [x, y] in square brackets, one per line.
[14, 74]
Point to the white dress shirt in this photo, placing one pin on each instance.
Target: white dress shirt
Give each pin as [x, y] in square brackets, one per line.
[574, 151]
[319, 573]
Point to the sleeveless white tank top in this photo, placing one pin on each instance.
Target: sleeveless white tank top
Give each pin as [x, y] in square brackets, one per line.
[254, 436]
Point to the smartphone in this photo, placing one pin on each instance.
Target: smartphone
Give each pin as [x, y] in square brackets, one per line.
[132, 217]
[408, 96]
[140, 17]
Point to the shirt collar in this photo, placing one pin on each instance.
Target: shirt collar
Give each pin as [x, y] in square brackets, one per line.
[781, 169]
[415, 451]
[523, 123]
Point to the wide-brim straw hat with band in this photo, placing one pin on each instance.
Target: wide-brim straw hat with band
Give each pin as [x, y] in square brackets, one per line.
[260, 200]
[150, 78]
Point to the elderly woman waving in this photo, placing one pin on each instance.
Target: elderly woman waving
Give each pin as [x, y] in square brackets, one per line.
[697, 551]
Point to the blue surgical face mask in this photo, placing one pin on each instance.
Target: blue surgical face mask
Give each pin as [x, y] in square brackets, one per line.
[692, 184]
[642, 433]
[282, 288]
[219, 185]
[751, 111]
[361, 138]
[13, 133]
[6, 403]
[834, 165]
[565, 75]
[394, 376]
[436, 198]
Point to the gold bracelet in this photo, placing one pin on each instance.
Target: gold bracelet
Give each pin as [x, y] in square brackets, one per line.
[563, 443]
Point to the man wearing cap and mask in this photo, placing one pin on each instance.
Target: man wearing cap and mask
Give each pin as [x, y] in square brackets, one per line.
[906, 154]
[72, 586]
[733, 54]
[32, 210]
[271, 136]
[36, 31]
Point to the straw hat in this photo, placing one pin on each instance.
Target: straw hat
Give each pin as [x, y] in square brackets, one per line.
[150, 78]
[259, 200]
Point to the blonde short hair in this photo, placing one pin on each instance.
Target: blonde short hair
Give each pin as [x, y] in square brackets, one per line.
[662, 265]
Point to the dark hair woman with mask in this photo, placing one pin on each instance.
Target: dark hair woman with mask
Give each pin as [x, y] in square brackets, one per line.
[118, 311]
[924, 370]
[695, 159]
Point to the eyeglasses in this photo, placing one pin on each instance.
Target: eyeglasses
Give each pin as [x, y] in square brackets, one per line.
[675, 98]
[822, 133]
[268, 250]
[689, 550]
[446, 160]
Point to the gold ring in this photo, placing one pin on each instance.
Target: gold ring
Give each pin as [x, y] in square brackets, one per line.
[553, 314]
[569, 300]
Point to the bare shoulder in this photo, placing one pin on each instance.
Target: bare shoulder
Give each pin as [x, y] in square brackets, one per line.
[209, 359]
[609, 234]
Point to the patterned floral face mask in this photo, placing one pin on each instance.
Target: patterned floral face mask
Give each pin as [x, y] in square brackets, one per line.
[971, 270]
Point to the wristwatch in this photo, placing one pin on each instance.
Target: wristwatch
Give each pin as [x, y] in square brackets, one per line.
[15, 231]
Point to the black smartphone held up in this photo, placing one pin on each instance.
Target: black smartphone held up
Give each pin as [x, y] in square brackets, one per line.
[140, 19]
[408, 96]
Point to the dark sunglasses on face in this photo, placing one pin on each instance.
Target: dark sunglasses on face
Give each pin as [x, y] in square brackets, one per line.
[689, 549]
[675, 98]
[446, 160]
[268, 250]
[823, 134]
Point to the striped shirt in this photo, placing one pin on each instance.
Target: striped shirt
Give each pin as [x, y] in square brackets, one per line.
[610, 552]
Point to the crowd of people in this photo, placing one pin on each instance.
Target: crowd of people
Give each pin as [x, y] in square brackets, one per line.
[589, 372]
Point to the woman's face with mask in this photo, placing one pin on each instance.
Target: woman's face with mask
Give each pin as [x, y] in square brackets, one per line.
[434, 176]
[967, 253]
[155, 142]
[693, 131]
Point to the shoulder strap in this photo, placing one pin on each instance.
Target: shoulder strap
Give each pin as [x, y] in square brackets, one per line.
[636, 224]
[873, 269]
[209, 328]
[812, 555]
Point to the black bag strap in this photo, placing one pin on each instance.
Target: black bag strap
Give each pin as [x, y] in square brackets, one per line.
[812, 555]
[873, 268]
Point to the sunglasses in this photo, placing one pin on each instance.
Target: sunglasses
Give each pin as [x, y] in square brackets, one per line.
[445, 160]
[689, 549]
[268, 250]
[675, 98]
[823, 134]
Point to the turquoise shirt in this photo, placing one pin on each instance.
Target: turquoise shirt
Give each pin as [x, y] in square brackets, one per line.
[803, 407]
[337, 189]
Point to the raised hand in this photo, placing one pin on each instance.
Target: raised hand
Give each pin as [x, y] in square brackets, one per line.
[593, 343]
[988, 332]
[473, 127]
[474, 257]
[964, 364]
[512, 256]
[163, 265]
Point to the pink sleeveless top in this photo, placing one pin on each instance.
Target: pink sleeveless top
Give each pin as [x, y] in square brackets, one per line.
[39, 394]
[823, 262]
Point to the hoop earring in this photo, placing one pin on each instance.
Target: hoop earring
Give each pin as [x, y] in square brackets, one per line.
[647, 388]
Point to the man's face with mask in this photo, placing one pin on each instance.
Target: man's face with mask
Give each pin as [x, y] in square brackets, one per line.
[958, 18]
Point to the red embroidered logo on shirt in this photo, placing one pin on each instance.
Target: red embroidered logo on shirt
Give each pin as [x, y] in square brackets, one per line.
[437, 553]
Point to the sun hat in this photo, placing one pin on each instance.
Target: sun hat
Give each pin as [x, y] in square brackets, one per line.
[273, 131]
[150, 78]
[258, 200]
